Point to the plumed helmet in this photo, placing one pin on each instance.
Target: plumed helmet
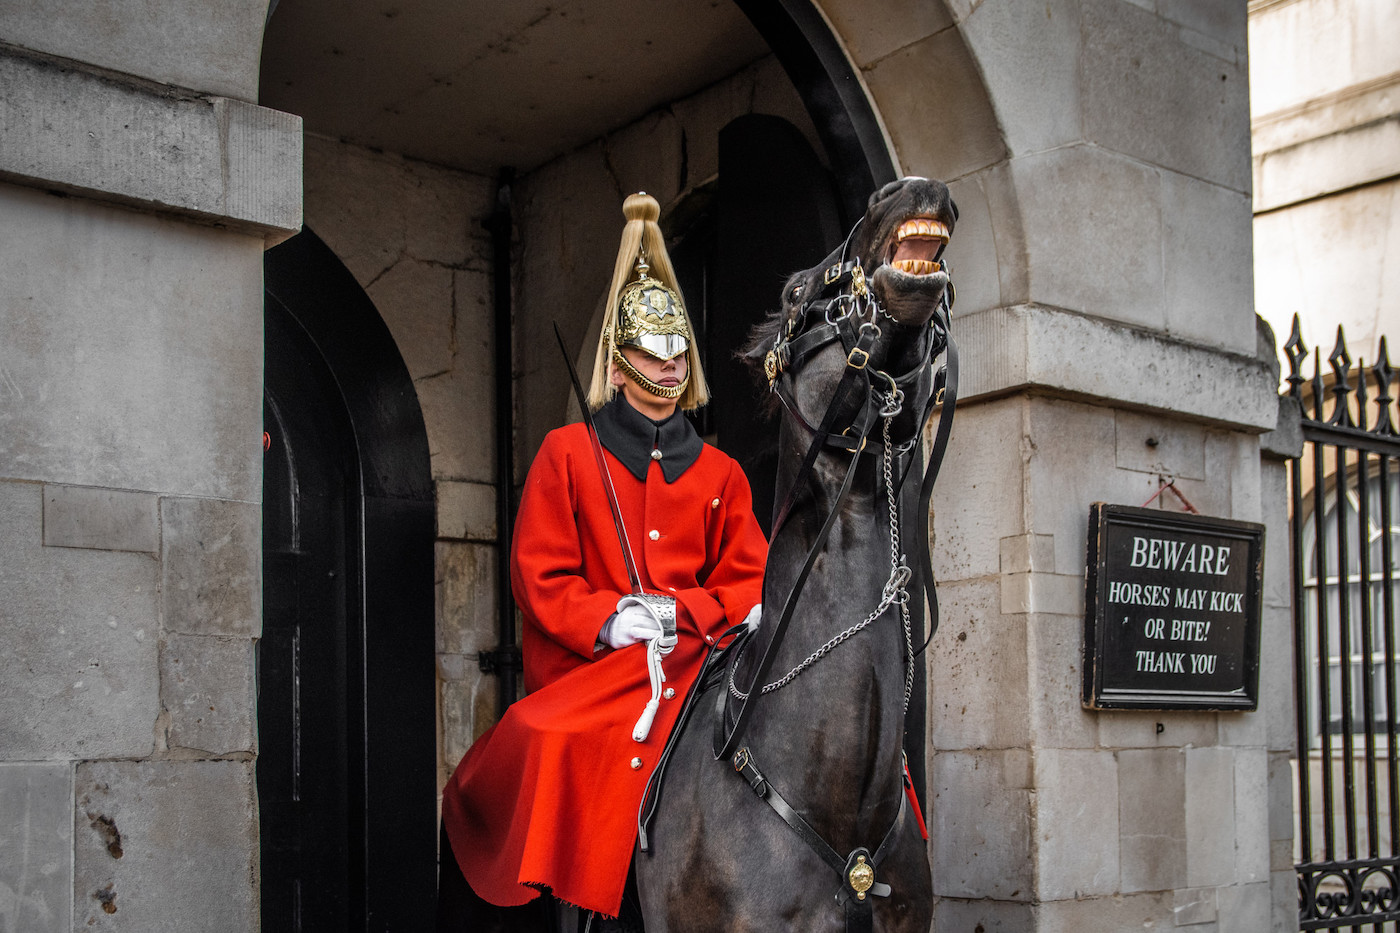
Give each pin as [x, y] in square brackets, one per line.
[645, 311]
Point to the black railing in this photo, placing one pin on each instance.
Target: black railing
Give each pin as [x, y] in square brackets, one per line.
[1345, 496]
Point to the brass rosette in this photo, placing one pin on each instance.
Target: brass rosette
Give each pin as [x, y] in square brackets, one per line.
[861, 877]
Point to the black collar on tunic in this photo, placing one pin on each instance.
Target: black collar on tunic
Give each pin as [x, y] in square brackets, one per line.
[631, 437]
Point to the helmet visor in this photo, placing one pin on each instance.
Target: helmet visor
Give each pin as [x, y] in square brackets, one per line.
[661, 346]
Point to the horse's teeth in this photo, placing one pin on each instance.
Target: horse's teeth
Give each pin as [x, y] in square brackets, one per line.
[916, 266]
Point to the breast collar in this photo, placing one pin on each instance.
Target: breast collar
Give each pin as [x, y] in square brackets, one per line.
[631, 436]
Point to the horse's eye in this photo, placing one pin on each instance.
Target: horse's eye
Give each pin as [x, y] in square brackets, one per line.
[795, 294]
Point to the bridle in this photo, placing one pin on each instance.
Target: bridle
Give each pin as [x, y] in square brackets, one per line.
[842, 311]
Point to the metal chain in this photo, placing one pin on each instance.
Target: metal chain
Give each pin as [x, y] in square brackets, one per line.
[894, 590]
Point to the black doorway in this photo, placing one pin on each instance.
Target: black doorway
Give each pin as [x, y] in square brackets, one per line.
[346, 715]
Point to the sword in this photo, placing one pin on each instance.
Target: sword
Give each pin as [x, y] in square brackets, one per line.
[662, 608]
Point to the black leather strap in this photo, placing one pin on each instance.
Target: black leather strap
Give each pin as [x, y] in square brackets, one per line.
[857, 902]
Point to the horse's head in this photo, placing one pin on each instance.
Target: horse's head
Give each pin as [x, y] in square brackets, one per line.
[883, 287]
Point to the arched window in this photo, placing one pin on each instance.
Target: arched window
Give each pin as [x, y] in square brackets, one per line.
[1360, 555]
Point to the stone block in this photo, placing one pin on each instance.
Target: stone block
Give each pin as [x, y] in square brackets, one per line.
[1150, 95]
[1076, 823]
[958, 140]
[211, 567]
[968, 518]
[103, 519]
[474, 316]
[870, 38]
[160, 842]
[1253, 818]
[1248, 906]
[1151, 818]
[458, 416]
[466, 598]
[645, 155]
[953, 916]
[977, 671]
[1273, 724]
[80, 629]
[215, 160]
[1055, 658]
[1283, 897]
[1152, 444]
[1030, 59]
[36, 847]
[1280, 799]
[985, 274]
[1210, 818]
[87, 351]
[374, 209]
[1156, 729]
[1115, 211]
[466, 511]
[468, 709]
[1042, 592]
[415, 300]
[1114, 914]
[1030, 345]
[213, 50]
[1068, 451]
[207, 687]
[1207, 269]
[1027, 553]
[1192, 906]
[980, 824]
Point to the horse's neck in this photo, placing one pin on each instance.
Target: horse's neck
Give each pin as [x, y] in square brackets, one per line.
[836, 727]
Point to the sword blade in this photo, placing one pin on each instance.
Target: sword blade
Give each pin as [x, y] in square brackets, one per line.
[608, 489]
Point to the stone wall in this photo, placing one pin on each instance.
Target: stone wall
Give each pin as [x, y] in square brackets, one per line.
[1097, 151]
[131, 598]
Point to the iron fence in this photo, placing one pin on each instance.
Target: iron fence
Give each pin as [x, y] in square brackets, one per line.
[1345, 496]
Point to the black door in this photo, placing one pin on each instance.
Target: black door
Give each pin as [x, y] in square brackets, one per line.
[347, 763]
[309, 513]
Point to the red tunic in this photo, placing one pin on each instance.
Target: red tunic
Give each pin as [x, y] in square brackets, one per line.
[548, 797]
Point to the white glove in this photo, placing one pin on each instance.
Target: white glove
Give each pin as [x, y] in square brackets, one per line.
[754, 617]
[631, 623]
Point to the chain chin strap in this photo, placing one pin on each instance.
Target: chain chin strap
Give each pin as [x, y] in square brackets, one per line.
[894, 592]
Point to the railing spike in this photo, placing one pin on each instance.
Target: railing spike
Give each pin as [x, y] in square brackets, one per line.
[1382, 373]
[1295, 351]
[1341, 387]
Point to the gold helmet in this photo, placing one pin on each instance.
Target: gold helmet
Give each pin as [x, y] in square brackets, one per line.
[645, 311]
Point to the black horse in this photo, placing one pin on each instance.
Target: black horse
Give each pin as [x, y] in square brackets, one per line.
[814, 831]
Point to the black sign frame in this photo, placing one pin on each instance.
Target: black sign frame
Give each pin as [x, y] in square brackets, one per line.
[1111, 646]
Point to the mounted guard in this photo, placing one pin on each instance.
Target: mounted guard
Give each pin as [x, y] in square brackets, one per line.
[635, 549]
